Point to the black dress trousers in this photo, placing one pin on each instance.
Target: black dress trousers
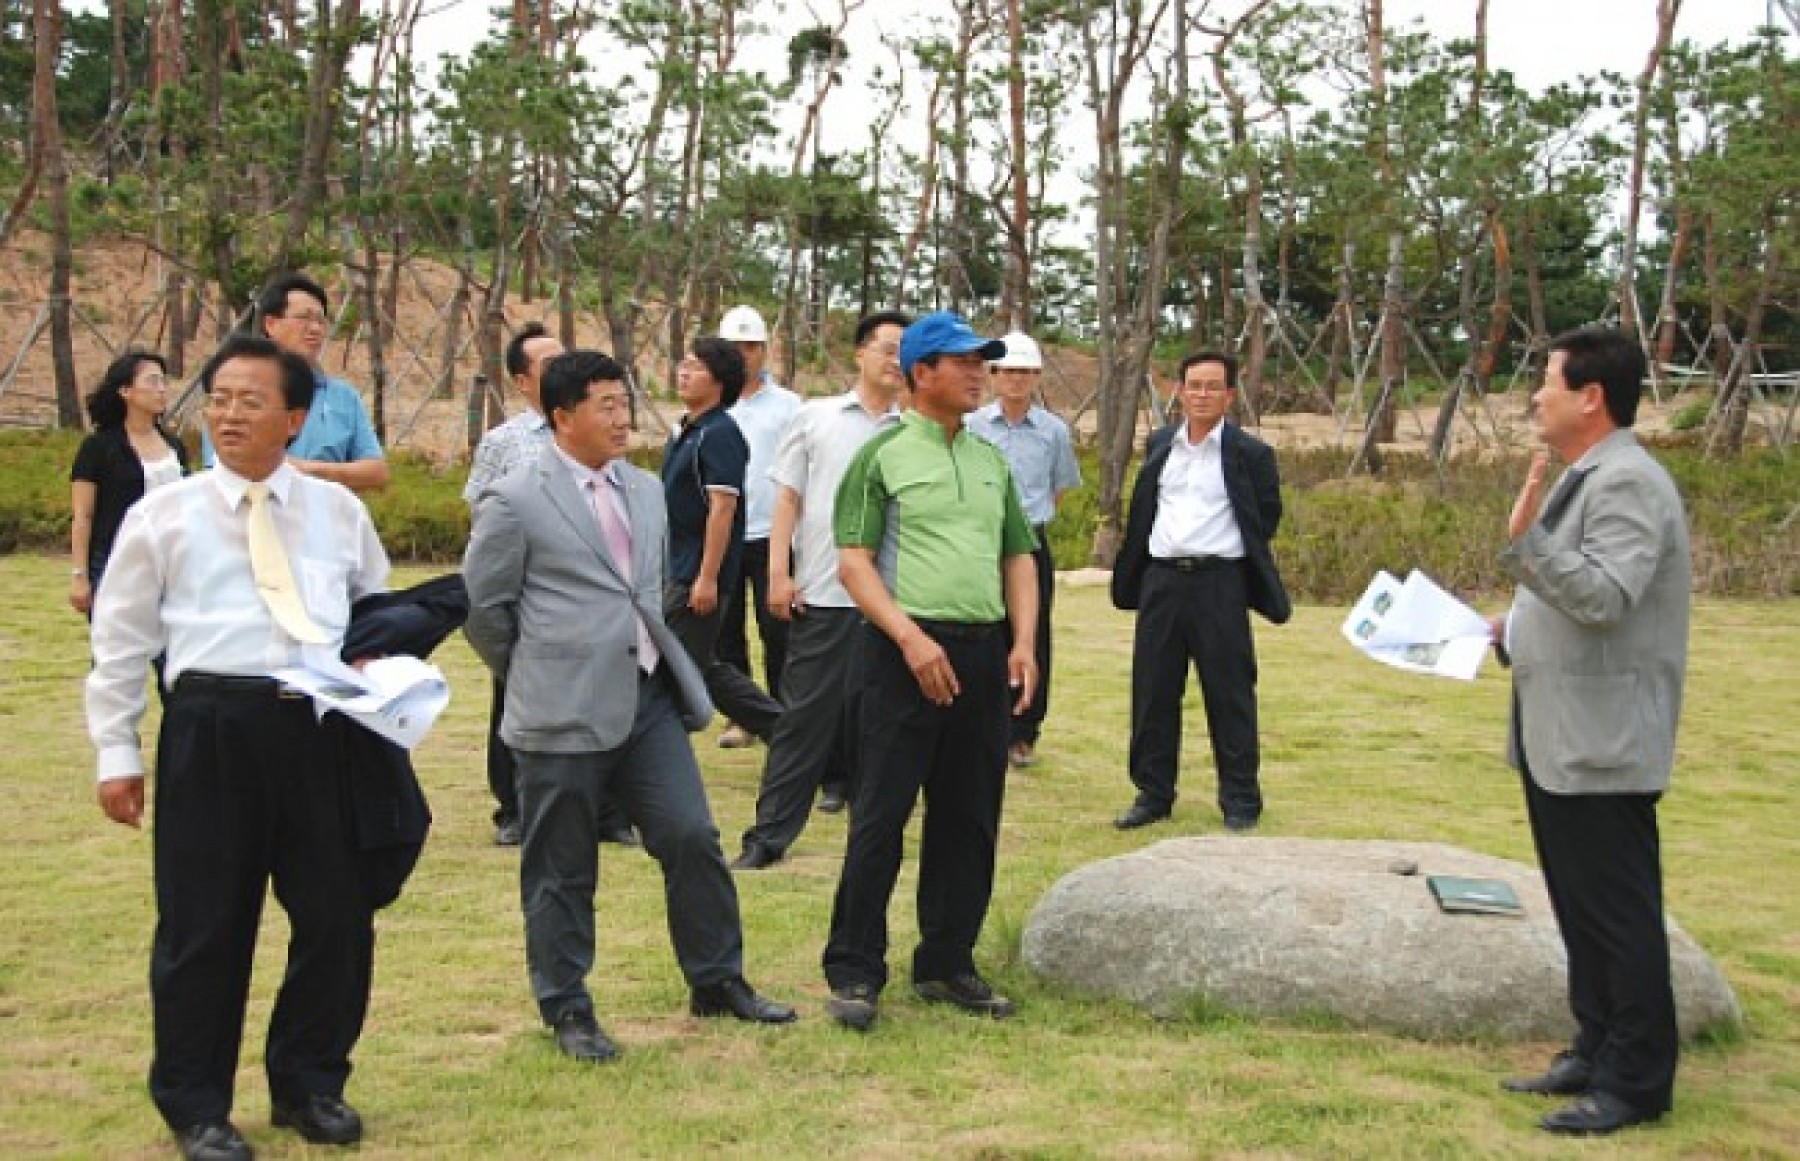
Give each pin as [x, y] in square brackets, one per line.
[251, 790]
[955, 756]
[1602, 863]
[1200, 616]
[1027, 726]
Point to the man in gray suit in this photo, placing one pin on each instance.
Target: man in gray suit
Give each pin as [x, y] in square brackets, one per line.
[565, 575]
[1597, 636]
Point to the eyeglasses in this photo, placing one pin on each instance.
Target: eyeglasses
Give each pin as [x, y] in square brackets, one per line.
[249, 406]
[306, 318]
[1206, 388]
[153, 382]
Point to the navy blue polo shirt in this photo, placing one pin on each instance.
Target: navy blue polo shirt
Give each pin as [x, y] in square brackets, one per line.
[708, 452]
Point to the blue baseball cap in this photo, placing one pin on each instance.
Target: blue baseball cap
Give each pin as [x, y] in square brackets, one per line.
[944, 332]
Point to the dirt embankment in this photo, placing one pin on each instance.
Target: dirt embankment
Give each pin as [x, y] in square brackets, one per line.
[120, 298]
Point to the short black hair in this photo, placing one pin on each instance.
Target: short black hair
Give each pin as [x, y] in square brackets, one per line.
[105, 406]
[725, 362]
[870, 323]
[297, 384]
[517, 362]
[567, 377]
[1609, 357]
[271, 300]
[1219, 357]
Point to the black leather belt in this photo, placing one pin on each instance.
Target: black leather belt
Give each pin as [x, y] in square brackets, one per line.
[1195, 563]
[962, 630]
[233, 685]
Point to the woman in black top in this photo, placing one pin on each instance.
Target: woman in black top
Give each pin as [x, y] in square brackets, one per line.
[127, 454]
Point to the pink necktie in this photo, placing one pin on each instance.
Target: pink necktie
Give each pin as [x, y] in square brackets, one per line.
[613, 528]
[617, 534]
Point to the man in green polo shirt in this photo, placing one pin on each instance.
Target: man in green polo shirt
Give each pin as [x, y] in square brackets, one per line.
[935, 550]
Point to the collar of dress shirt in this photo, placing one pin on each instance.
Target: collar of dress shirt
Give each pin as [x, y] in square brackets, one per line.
[851, 399]
[232, 486]
[583, 474]
[1214, 437]
[1029, 419]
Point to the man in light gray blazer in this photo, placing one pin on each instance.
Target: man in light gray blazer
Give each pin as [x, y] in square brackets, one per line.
[565, 575]
[1597, 636]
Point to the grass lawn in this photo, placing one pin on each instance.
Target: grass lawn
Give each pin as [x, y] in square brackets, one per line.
[453, 1063]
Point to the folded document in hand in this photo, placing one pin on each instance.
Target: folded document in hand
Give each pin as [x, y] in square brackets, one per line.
[1416, 625]
[397, 697]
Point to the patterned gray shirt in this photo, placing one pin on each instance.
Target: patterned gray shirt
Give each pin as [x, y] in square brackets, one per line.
[504, 448]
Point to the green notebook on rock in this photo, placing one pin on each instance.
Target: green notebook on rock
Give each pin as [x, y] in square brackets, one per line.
[1460, 896]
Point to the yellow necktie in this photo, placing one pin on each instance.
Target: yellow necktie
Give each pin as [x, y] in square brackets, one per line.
[274, 578]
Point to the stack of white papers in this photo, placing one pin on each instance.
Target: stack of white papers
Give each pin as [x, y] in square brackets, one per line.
[397, 697]
[1416, 625]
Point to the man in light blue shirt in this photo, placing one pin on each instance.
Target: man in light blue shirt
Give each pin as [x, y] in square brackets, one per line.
[1037, 446]
[762, 413]
[337, 442]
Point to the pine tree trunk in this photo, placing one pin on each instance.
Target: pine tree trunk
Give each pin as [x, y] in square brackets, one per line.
[47, 138]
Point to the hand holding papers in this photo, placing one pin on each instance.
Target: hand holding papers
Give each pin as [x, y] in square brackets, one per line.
[1418, 626]
[397, 697]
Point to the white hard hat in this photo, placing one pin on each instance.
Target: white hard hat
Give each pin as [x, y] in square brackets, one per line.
[1021, 352]
[742, 324]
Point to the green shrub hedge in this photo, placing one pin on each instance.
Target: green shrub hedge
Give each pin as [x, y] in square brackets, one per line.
[1337, 531]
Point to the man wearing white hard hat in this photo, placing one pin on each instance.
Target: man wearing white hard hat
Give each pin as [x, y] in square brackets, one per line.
[1037, 445]
[762, 413]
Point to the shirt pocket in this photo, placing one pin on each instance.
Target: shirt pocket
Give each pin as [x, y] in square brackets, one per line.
[325, 588]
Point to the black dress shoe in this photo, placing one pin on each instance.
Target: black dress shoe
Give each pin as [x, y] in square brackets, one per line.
[755, 857]
[622, 836]
[1140, 814]
[735, 997]
[855, 1006]
[578, 1036]
[1239, 823]
[969, 992]
[1568, 1075]
[507, 832]
[213, 1141]
[320, 1118]
[831, 800]
[1595, 1115]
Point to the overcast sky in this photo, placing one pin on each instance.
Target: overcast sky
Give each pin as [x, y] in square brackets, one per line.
[1541, 42]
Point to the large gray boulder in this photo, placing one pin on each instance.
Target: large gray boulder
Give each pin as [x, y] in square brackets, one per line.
[1284, 927]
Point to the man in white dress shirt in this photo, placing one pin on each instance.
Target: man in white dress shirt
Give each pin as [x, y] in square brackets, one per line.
[762, 412]
[804, 590]
[248, 789]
